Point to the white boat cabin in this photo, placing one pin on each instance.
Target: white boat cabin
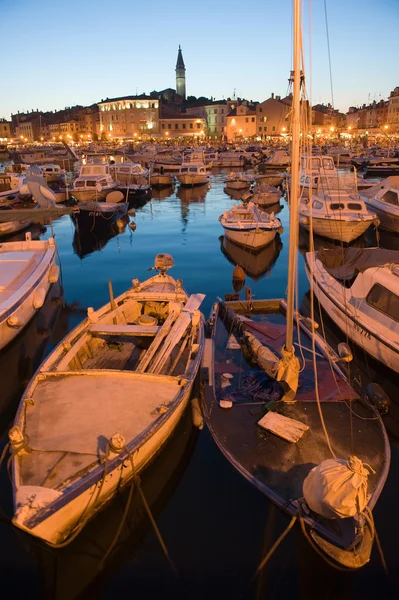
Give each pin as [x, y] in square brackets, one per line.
[94, 171]
[193, 169]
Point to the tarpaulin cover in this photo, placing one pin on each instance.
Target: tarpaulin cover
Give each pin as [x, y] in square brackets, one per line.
[345, 263]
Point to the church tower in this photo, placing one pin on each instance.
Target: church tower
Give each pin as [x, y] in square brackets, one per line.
[180, 75]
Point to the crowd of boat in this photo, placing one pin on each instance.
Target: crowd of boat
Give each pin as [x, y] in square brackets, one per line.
[132, 363]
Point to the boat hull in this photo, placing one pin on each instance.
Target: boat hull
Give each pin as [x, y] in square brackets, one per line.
[388, 216]
[251, 238]
[192, 180]
[98, 218]
[343, 231]
[9, 227]
[30, 296]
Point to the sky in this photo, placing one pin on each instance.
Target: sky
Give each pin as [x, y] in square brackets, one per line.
[62, 53]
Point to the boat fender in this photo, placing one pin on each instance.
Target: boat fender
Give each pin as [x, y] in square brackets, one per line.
[238, 278]
[53, 274]
[39, 297]
[51, 242]
[344, 352]
[15, 321]
[132, 226]
[374, 394]
[280, 230]
[198, 419]
[337, 487]
[132, 212]
[303, 220]
[19, 442]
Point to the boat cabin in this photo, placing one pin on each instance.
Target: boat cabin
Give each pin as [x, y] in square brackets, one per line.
[90, 183]
[194, 169]
[94, 171]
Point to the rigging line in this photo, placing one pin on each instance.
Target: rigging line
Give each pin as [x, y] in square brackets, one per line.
[329, 53]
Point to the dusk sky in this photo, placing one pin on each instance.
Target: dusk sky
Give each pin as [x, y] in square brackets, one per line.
[58, 54]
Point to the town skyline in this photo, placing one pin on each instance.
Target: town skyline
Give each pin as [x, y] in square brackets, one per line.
[227, 52]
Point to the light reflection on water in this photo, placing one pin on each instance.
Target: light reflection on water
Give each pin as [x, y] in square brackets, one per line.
[216, 525]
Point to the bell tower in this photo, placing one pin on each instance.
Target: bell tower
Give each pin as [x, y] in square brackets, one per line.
[180, 75]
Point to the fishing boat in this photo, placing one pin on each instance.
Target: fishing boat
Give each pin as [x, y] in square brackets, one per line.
[53, 173]
[161, 180]
[98, 216]
[94, 183]
[103, 404]
[237, 181]
[132, 180]
[191, 175]
[336, 211]
[247, 225]
[27, 270]
[383, 199]
[292, 425]
[359, 290]
[265, 194]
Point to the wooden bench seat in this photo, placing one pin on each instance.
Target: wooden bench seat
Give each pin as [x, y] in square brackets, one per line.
[128, 330]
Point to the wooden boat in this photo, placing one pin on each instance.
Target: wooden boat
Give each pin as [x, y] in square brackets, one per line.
[237, 181]
[192, 174]
[359, 290]
[27, 270]
[293, 426]
[161, 180]
[265, 194]
[383, 199]
[247, 225]
[103, 404]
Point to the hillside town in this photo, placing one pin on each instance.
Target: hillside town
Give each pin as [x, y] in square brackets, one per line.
[170, 113]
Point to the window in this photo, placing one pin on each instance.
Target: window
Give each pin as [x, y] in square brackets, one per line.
[169, 126]
[176, 126]
[354, 206]
[317, 204]
[253, 119]
[265, 128]
[163, 125]
[246, 119]
[260, 128]
[337, 206]
[383, 300]
[198, 125]
[260, 109]
[191, 125]
[273, 128]
[390, 197]
[215, 110]
[184, 125]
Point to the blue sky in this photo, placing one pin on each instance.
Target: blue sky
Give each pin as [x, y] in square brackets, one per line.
[58, 54]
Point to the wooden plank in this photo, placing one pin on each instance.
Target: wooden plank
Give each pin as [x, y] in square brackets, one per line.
[135, 330]
[161, 335]
[284, 427]
[176, 333]
[64, 362]
[153, 296]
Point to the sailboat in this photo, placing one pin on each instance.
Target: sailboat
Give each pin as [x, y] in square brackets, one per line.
[281, 409]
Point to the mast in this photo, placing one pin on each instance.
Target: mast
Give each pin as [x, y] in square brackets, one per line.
[294, 191]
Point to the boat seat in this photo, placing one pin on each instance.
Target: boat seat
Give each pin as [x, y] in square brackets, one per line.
[134, 330]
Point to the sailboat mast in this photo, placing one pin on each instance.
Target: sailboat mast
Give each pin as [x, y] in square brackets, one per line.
[294, 188]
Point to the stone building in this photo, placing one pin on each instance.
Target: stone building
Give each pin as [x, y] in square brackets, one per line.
[272, 116]
[129, 116]
[215, 114]
[5, 129]
[393, 111]
[174, 124]
[241, 122]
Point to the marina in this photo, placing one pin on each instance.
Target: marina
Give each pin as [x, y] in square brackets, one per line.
[199, 304]
[187, 227]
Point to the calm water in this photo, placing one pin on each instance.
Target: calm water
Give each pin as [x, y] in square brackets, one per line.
[216, 526]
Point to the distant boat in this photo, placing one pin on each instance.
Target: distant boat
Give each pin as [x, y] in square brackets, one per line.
[98, 216]
[383, 199]
[27, 270]
[103, 404]
[93, 183]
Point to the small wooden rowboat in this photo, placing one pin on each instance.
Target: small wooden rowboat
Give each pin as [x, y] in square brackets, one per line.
[103, 404]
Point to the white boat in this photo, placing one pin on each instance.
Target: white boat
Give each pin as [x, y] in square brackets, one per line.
[193, 174]
[247, 225]
[103, 404]
[27, 270]
[13, 185]
[160, 179]
[94, 183]
[53, 172]
[237, 181]
[383, 199]
[265, 195]
[359, 290]
[337, 211]
[312, 168]
[279, 160]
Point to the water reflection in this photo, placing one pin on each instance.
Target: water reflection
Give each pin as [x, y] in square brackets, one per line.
[193, 194]
[161, 193]
[80, 567]
[255, 265]
[86, 242]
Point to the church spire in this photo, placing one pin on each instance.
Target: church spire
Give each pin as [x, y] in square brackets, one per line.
[180, 75]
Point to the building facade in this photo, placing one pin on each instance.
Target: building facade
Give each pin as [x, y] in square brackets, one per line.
[393, 111]
[241, 123]
[129, 116]
[272, 116]
[5, 129]
[182, 126]
[215, 114]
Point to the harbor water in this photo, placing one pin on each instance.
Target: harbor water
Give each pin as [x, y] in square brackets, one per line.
[216, 526]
